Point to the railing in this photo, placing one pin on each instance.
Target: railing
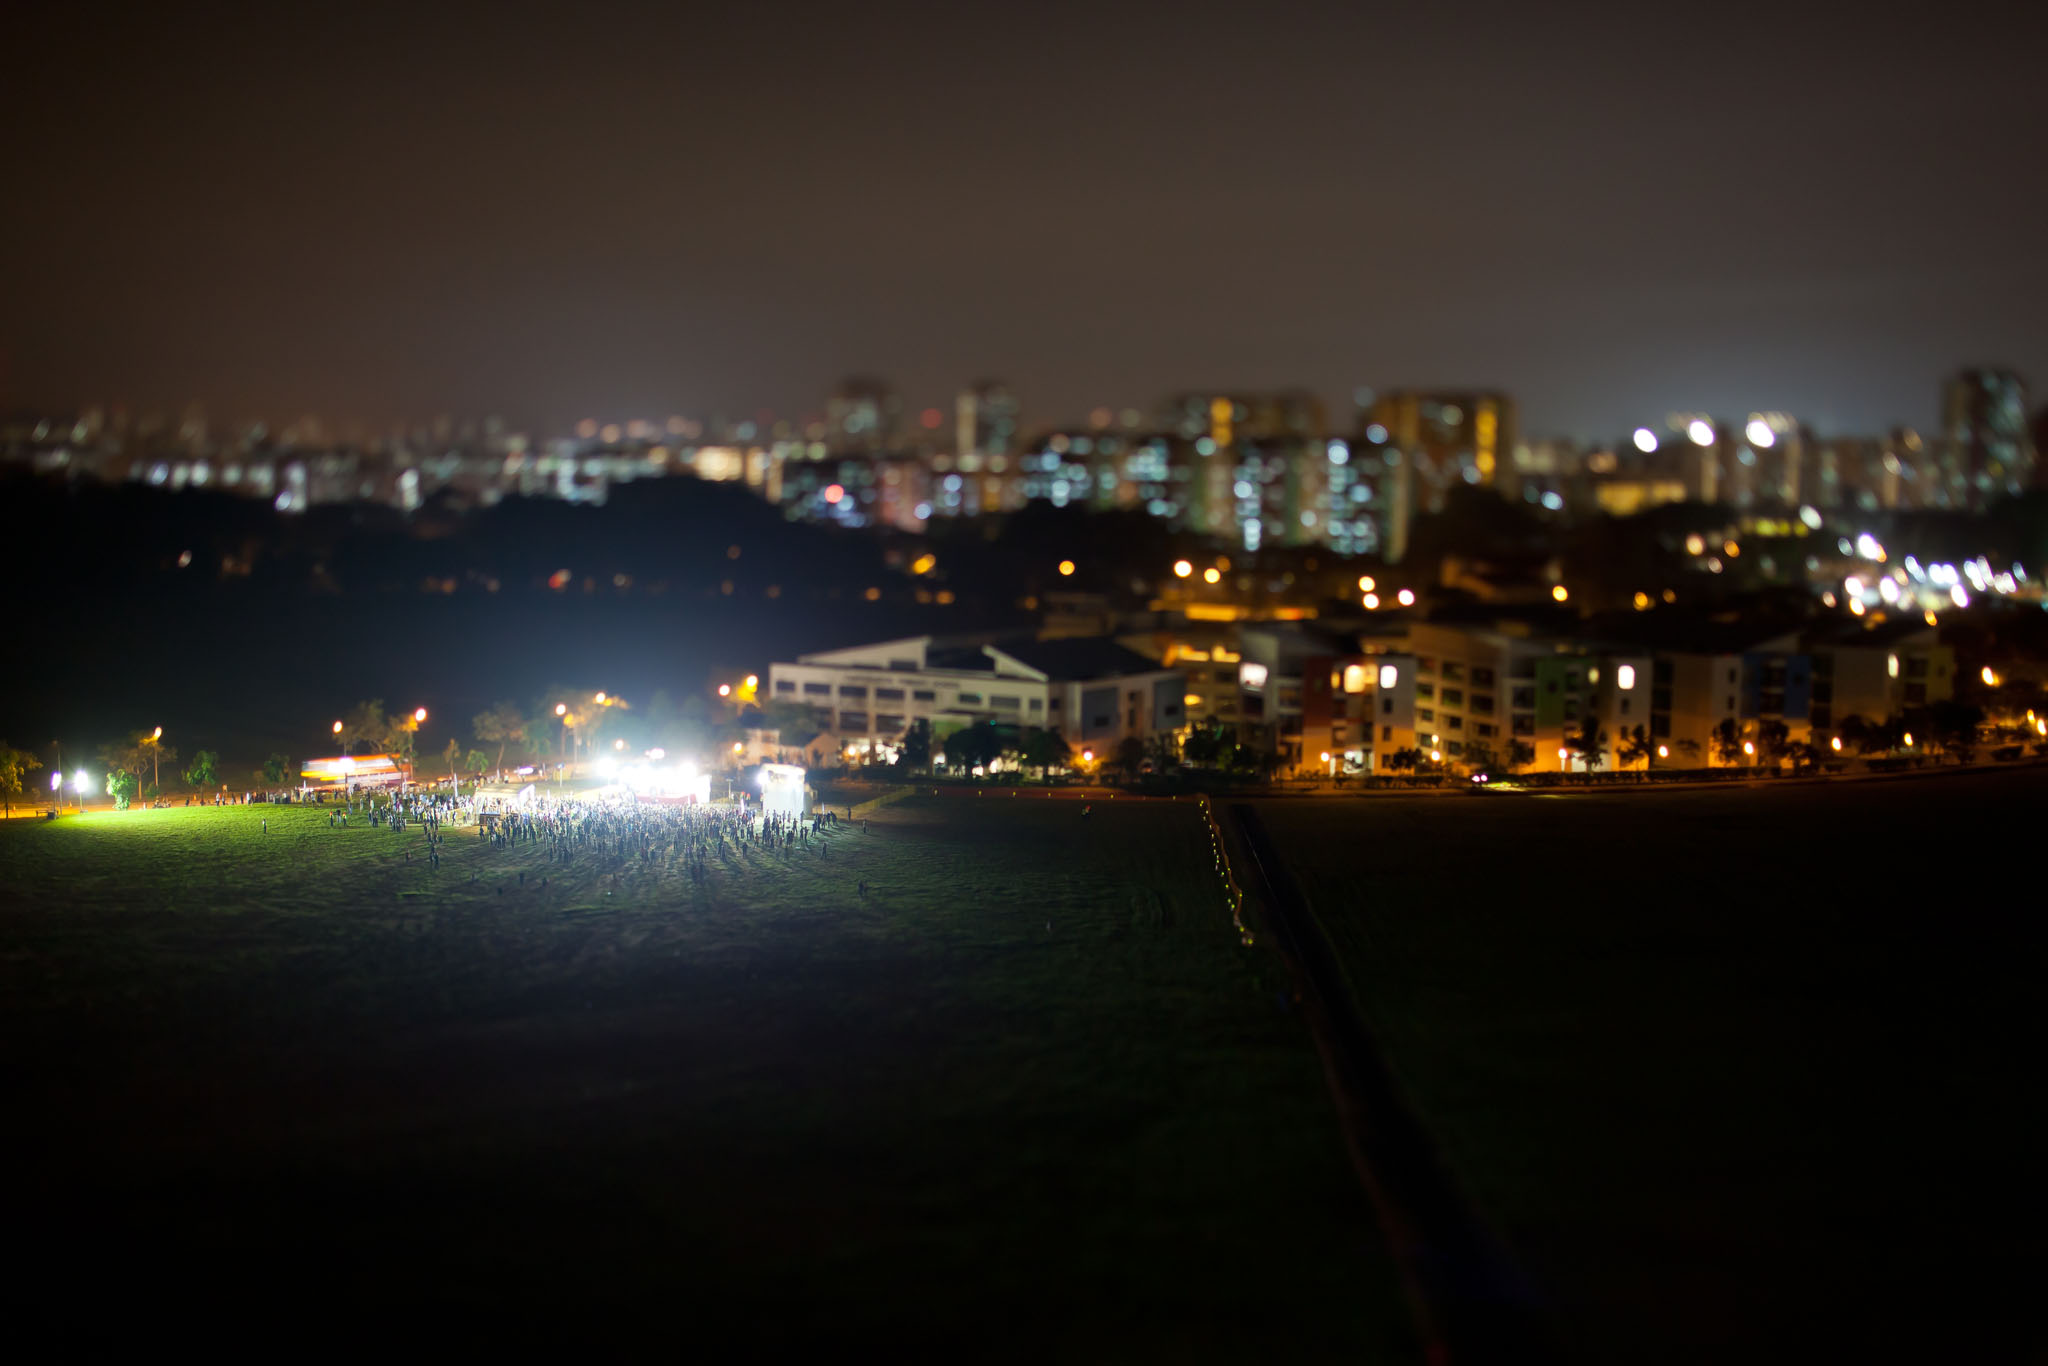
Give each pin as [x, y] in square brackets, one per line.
[1233, 894]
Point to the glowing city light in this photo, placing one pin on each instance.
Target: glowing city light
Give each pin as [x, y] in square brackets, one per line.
[1663, 751]
[1371, 601]
[1212, 575]
[1625, 676]
[833, 493]
[1891, 666]
[1365, 583]
[1389, 675]
[1760, 434]
[1695, 544]
[1642, 602]
[80, 781]
[1959, 595]
[157, 734]
[725, 690]
[1748, 747]
[1989, 675]
[419, 714]
[1560, 592]
[1066, 568]
[337, 727]
[753, 680]
[1646, 440]
[1701, 431]
[1835, 744]
[1181, 569]
[1406, 597]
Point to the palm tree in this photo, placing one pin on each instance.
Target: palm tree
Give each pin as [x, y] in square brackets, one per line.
[1727, 742]
[1634, 747]
[1588, 744]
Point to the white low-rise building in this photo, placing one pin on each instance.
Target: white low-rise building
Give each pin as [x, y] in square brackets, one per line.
[1092, 690]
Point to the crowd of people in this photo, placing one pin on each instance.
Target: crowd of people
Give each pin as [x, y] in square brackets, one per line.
[613, 834]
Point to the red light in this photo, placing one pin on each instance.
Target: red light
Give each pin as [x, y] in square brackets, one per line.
[833, 493]
[931, 418]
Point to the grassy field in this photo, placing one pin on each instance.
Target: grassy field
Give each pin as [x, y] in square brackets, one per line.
[1740, 1075]
[1028, 1097]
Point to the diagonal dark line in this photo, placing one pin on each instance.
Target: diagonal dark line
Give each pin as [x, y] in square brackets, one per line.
[1475, 1304]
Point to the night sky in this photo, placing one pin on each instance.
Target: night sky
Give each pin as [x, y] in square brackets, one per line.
[555, 211]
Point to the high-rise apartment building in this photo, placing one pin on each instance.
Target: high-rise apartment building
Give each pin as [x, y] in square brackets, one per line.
[863, 415]
[1989, 452]
[986, 420]
[1434, 440]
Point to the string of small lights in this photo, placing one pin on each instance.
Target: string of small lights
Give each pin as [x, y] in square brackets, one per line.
[1233, 895]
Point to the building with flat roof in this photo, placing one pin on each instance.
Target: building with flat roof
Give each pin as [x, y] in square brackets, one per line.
[1092, 690]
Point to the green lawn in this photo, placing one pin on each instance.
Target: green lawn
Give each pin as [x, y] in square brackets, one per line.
[1030, 1097]
[1740, 1075]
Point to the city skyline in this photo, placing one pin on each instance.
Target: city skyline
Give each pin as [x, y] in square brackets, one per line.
[626, 214]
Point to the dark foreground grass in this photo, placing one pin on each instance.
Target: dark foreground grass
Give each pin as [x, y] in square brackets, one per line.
[1029, 1097]
[1740, 1075]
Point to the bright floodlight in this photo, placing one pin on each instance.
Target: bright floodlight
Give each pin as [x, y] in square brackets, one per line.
[599, 699]
[56, 781]
[1646, 440]
[607, 766]
[1760, 434]
[657, 754]
[1181, 569]
[1625, 677]
[80, 781]
[1701, 431]
[1389, 675]
[420, 714]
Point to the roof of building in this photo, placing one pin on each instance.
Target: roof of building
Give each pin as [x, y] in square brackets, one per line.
[1869, 633]
[1680, 632]
[1078, 658]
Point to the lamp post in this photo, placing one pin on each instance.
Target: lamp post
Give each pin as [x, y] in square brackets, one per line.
[156, 749]
[419, 718]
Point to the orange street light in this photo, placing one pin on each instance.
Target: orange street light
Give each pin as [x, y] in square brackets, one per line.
[1181, 569]
[1066, 568]
[156, 734]
[337, 727]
